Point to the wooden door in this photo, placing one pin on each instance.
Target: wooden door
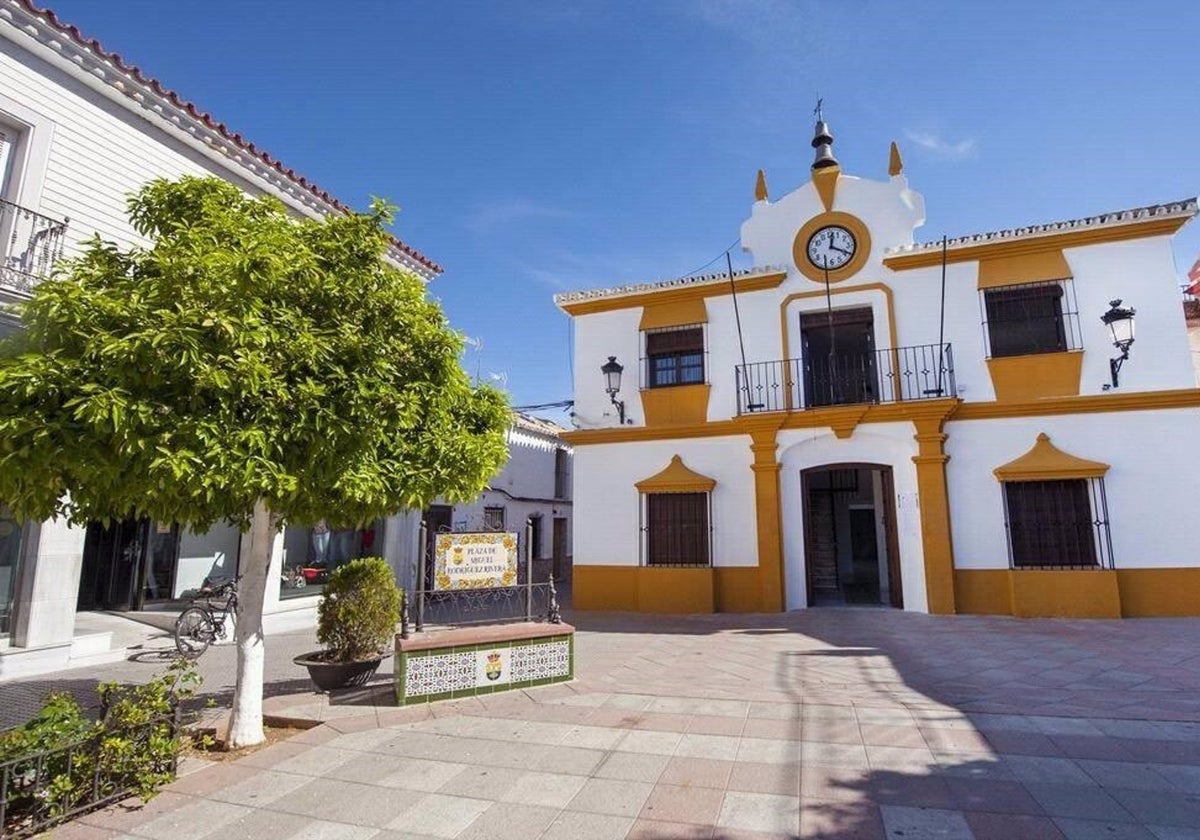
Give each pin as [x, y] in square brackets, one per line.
[559, 536]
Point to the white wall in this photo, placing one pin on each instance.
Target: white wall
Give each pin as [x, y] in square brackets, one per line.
[883, 444]
[1152, 482]
[607, 502]
[212, 554]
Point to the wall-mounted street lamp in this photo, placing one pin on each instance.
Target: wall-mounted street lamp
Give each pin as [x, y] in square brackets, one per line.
[1120, 323]
[612, 384]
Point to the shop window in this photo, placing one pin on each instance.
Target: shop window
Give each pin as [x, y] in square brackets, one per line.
[311, 554]
[676, 529]
[1057, 524]
[493, 519]
[11, 543]
[1030, 318]
[674, 356]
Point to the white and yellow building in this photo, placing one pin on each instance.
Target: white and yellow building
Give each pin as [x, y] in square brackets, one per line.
[848, 444]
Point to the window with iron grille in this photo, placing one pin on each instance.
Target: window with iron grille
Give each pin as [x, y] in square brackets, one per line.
[1057, 524]
[674, 356]
[676, 529]
[493, 519]
[1030, 318]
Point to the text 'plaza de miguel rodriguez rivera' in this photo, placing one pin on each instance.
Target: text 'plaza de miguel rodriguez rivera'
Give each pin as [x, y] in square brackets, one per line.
[961, 426]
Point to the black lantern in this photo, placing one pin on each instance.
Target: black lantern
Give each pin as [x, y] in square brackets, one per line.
[612, 384]
[1120, 324]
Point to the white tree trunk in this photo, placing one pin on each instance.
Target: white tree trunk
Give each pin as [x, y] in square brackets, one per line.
[246, 719]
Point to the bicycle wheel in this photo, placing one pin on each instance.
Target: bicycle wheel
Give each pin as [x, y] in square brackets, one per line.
[193, 632]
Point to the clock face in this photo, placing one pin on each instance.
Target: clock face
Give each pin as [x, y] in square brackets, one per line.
[831, 247]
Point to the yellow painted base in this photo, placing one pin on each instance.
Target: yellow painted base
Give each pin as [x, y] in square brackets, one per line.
[1089, 593]
[1159, 592]
[666, 590]
[1022, 378]
[1129, 593]
[675, 406]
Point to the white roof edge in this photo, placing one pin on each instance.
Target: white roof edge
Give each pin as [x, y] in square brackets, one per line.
[1175, 209]
[658, 285]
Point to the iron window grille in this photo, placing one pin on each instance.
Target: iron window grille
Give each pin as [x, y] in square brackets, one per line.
[1030, 318]
[1060, 524]
[674, 356]
[676, 530]
[493, 519]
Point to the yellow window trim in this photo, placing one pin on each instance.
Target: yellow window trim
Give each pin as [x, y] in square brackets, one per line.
[676, 478]
[1046, 462]
[1039, 267]
[680, 313]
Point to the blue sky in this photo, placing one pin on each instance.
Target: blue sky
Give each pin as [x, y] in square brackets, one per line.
[537, 147]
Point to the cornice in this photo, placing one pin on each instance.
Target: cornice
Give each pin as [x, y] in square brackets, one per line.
[668, 291]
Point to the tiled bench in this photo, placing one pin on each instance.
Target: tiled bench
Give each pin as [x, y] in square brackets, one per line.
[464, 662]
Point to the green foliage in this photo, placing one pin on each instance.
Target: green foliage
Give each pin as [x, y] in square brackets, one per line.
[61, 761]
[244, 355]
[358, 611]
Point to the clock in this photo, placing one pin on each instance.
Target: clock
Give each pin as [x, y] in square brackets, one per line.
[831, 247]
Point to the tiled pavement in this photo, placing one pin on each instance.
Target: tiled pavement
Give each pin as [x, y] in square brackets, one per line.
[841, 724]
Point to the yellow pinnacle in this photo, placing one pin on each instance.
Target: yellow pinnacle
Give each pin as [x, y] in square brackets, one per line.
[760, 187]
[895, 164]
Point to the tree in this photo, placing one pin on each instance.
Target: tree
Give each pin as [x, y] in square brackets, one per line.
[248, 367]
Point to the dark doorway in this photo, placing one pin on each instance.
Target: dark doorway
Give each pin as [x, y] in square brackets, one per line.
[839, 357]
[850, 546]
[113, 554]
[158, 565]
[559, 536]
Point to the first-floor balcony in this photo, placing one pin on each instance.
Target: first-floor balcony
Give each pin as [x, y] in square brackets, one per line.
[922, 372]
[30, 244]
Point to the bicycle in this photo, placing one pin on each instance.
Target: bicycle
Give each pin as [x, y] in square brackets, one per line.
[203, 622]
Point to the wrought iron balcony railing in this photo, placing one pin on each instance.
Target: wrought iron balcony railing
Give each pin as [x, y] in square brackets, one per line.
[30, 244]
[922, 372]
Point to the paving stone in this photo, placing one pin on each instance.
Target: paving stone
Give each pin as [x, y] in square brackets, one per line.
[1040, 770]
[324, 830]
[837, 755]
[764, 812]
[1080, 802]
[657, 830]
[1126, 775]
[510, 821]
[990, 826]
[765, 751]
[578, 825]
[992, 796]
[261, 823]
[192, 821]
[697, 772]
[1074, 829]
[439, 815]
[261, 789]
[573, 760]
[653, 743]
[549, 790]
[349, 802]
[1166, 808]
[925, 823]
[633, 767]
[611, 796]
[823, 820]
[683, 804]
[708, 746]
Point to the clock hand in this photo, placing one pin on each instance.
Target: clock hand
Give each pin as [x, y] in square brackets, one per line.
[839, 250]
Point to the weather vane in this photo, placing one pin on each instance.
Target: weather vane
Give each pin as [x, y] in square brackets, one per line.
[817, 111]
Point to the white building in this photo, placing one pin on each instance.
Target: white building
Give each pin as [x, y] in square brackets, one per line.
[80, 130]
[531, 497]
[845, 444]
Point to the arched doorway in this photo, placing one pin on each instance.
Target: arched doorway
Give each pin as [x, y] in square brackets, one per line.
[851, 548]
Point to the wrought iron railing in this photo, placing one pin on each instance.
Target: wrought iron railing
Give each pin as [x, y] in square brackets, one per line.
[44, 788]
[921, 372]
[30, 244]
[426, 604]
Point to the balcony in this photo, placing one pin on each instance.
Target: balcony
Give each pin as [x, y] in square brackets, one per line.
[30, 244]
[922, 372]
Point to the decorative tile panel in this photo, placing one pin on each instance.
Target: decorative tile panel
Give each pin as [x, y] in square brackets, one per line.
[438, 673]
[544, 661]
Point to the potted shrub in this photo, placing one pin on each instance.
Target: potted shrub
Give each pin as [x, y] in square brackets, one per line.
[356, 622]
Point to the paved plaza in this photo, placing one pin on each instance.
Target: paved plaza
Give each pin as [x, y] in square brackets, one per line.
[830, 723]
